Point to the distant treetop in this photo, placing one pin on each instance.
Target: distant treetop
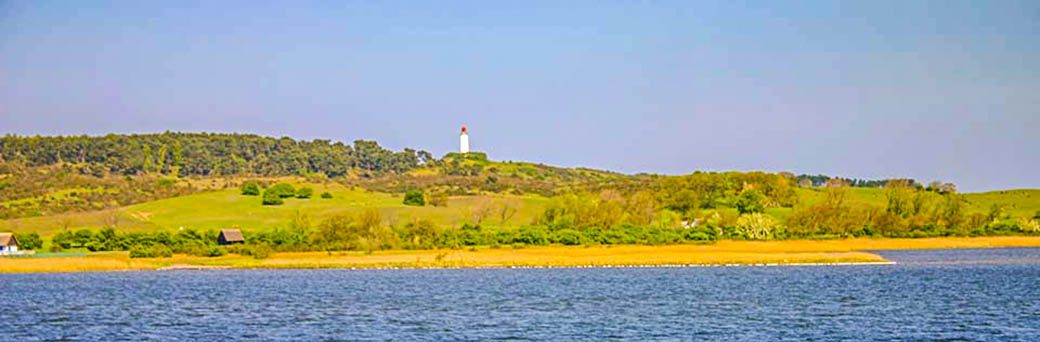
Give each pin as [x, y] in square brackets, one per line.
[207, 154]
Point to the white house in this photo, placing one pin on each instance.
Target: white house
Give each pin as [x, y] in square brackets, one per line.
[8, 244]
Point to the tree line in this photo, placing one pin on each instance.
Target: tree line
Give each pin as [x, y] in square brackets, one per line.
[821, 180]
[206, 154]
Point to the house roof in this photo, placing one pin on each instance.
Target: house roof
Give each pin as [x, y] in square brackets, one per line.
[232, 235]
[7, 239]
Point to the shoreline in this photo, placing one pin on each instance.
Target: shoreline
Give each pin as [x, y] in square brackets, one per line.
[722, 254]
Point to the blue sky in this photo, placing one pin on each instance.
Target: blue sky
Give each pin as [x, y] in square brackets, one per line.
[946, 90]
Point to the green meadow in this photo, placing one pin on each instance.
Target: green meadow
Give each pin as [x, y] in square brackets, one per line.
[228, 208]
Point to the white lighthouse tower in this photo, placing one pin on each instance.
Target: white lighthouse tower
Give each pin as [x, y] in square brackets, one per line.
[464, 141]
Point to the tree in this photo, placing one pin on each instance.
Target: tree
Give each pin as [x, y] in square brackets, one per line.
[63, 239]
[304, 192]
[205, 154]
[421, 233]
[345, 231]
[506, 210]
[996, 212]
[942, 188]
[750, 201]
[250, 189]
[326, 195]
[898, 193]
[683, 200]
[414, 197]
[31, 241]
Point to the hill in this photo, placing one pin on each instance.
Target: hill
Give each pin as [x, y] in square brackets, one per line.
[223, 209]
[181, 184]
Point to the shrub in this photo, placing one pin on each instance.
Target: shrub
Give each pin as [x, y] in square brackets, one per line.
[421, 233]
[568, 237]
[153, 251]
[414, 197]
[272, 198]
[203, 250]
[531, 236]
[439, 199]
[282, 190]
[261, 251]
[250, 189]
[215, 251]
[755, 226]
[304, 193]
[1029, 226]
[141, 252]
[702, 232]
[326, 195]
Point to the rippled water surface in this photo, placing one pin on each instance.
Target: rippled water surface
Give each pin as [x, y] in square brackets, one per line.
[929, 295]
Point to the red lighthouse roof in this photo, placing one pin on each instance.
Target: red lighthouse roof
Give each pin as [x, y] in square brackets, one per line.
[463, 128]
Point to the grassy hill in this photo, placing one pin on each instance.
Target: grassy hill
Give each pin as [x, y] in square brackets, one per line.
[228, 208]
[1018, 203]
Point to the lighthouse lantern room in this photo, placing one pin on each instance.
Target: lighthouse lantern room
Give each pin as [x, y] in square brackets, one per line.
[464, 141]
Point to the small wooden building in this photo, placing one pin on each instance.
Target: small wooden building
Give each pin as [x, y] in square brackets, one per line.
[8, 244]
[230, 236]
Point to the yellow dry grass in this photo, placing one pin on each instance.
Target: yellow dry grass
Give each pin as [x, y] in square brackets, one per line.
[108, 262]
[724, 252]
[558, 256]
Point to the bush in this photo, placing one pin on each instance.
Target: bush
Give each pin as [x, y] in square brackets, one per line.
[439, 199]
[421, 233]
[1027, 226]
[215, 251]
[326, 195]
[414, 197]
[702, 232]
[755, 226]
[568, 237]
[261, 251]
[153, 251]
[304, 193]
[282, 190]
[29, 241]
[531, 236]
[272, 198]
[250, 189]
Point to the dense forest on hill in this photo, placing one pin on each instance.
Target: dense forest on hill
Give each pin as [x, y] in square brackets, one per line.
[206, 154]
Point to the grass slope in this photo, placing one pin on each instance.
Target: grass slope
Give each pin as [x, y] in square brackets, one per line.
[228, 208]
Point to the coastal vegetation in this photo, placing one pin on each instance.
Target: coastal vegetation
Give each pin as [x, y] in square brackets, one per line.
[721, 253]
[149, 193]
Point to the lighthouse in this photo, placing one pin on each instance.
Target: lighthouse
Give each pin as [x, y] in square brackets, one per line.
[463, 141]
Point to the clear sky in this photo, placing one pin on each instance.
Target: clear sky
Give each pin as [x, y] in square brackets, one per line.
[945, 90]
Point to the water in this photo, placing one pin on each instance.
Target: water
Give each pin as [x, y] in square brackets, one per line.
[930, 295]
